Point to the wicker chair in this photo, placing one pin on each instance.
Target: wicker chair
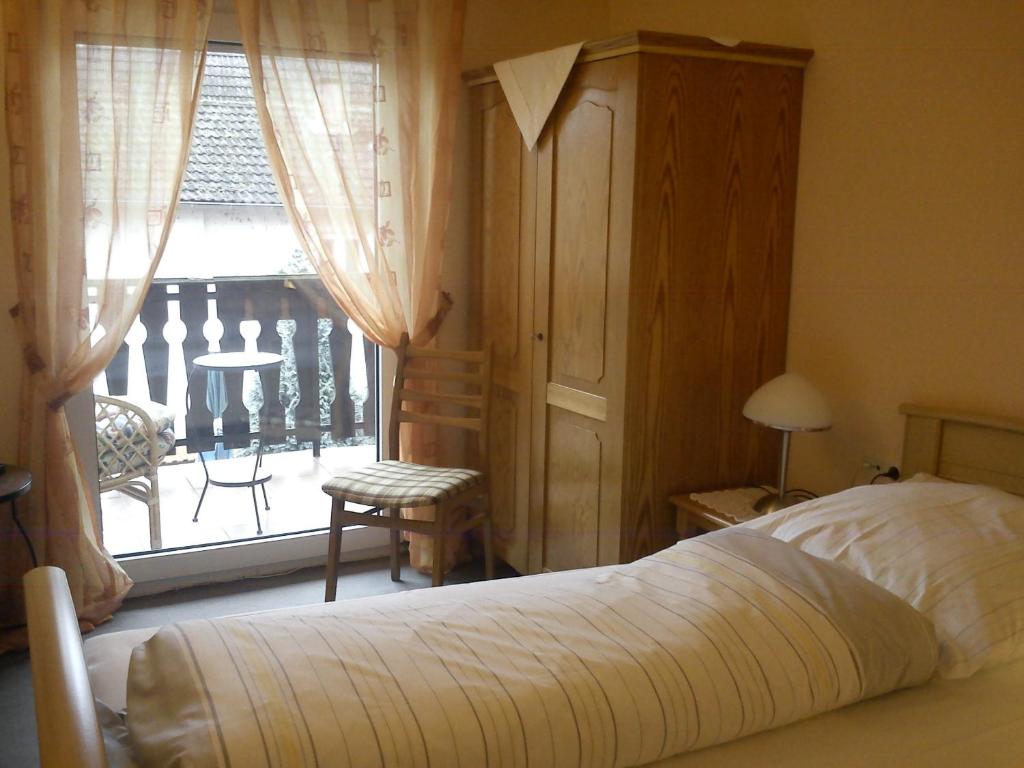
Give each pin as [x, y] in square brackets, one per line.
[388, 486]
[131, 441]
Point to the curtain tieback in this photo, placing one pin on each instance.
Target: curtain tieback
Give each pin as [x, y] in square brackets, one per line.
[434, 324]
[58, 402]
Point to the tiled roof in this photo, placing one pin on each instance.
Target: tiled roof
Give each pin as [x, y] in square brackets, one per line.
[228, 161]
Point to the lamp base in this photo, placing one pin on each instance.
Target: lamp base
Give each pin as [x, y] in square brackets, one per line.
[773, 502]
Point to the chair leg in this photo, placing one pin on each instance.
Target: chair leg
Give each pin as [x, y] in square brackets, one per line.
[256, 509]
[206, 484]
[440, 529]
[333, 551]
[202, 495]
[266, 501]
[155, 540]
[488, 545]
[396, 541]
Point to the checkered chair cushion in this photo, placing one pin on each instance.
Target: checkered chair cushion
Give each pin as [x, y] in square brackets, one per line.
[401, 484]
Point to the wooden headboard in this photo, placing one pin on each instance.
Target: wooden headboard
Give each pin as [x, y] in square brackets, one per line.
[964, 447]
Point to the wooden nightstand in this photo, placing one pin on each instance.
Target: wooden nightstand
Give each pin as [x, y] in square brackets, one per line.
[718, 509]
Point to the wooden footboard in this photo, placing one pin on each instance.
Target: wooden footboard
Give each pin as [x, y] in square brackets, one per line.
[69, 731]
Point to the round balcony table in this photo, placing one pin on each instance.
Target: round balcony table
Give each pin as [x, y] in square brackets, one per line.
[15, 482]
[225, 362]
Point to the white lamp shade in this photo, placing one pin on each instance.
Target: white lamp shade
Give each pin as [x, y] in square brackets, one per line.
[789, 402]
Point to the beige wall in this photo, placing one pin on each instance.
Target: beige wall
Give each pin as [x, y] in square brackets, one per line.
[501, 29]
[908, 279]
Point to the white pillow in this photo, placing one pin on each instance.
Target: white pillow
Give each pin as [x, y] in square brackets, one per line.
[953, 551]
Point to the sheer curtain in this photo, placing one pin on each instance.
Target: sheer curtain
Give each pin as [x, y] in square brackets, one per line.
[99, 101]
[358, 103]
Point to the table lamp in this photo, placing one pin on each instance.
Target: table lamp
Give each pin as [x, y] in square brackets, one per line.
[788, 403]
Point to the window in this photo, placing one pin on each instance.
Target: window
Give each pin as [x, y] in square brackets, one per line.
[233, 277]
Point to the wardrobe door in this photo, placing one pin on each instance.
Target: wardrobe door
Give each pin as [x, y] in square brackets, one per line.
[584, 204]
[505, 212]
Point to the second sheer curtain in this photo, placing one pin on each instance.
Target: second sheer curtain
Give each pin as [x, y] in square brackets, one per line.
[94, 136]
[358, 103]
[358, 100]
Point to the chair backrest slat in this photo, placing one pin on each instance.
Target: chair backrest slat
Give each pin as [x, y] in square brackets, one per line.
[466, 356]
[469, 401]
[462, 422]
[475, 374]
[454, 376]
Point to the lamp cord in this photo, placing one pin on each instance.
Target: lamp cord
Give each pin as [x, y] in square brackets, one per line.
[893, 473]
[806, 494]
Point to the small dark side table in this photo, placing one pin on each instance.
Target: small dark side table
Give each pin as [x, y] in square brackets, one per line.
[15, 482]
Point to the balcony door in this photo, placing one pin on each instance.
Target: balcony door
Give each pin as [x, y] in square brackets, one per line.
[233, 279]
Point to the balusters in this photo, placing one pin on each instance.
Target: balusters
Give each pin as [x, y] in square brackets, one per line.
[267, 309]
[138, 384]
[307, 367]
[370, 406]
[155, 349]
[177, 366]
[117, 372]
[343, 410]
[231, 311]
[198, 421]
[252, 381]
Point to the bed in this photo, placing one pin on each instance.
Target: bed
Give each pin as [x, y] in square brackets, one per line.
[978, 720]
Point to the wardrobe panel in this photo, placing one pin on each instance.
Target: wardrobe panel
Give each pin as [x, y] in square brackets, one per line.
[581, 195]
[573, 505]
[584, 220]
[500, 225]
[502, 439]
[504, 175]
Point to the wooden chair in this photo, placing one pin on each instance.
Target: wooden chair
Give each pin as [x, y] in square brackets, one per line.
[388, 486]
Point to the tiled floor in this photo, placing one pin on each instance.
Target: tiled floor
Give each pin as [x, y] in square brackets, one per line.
[296, 501]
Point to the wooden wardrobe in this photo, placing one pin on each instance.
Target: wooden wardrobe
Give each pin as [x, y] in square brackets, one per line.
[633, 274]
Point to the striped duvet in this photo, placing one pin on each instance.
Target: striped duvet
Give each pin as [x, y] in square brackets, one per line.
[708, 641]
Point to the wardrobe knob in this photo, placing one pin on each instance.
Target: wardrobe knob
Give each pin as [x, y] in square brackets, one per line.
[538, 336]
